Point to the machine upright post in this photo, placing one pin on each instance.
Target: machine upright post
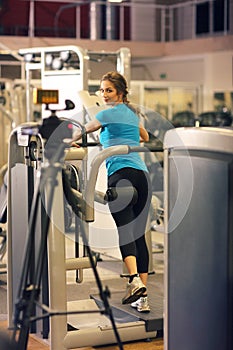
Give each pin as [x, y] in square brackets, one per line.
[57, 270]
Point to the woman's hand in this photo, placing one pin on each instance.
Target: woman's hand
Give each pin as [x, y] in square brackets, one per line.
[91, 126]
[77, 135]
[75, 144]
[144, 136]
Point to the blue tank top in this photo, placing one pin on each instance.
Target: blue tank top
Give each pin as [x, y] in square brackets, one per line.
[120, 126]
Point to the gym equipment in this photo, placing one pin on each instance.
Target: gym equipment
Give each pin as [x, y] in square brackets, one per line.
[67, 68]
[131, 326]
[31, 277]
[26, 145]
[198, 238]
[69, 78]
[213, 118]
[3, 216]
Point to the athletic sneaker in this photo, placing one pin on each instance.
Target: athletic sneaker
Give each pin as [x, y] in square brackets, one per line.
[134, 290]
[141, 305]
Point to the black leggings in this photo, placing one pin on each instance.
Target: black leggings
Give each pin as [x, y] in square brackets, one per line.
[131, 219]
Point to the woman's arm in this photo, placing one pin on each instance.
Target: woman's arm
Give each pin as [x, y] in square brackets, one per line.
[91, 126]
[144, 136]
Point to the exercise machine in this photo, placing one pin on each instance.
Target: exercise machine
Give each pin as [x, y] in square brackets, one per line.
[44, 164]
[198, 238]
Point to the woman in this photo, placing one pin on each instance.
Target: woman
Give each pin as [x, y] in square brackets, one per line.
[120, 124]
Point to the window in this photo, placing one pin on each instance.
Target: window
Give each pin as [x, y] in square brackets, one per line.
[212, 16]
[221, 19]
[203, 18]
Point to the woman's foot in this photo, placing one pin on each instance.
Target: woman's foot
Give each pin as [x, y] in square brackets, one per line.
[134, 290]
[141, 304]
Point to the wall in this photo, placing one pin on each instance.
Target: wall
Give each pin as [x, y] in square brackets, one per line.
[212, 70]
[175, 68]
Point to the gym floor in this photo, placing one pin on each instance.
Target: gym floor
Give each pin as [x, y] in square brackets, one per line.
[35, 343]
[109, 269]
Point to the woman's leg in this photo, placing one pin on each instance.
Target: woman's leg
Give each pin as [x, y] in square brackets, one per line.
[131, 223]
[142, 259]
[131, 264]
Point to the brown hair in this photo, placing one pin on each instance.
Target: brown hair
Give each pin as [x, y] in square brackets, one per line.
[120, 84]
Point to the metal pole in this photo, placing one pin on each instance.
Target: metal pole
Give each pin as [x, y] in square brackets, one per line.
[93, 21]
[28, 97]
[31, 26]
[225, 17]
[78, 23]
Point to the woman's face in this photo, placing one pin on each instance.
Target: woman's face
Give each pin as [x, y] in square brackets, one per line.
[109, 93]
